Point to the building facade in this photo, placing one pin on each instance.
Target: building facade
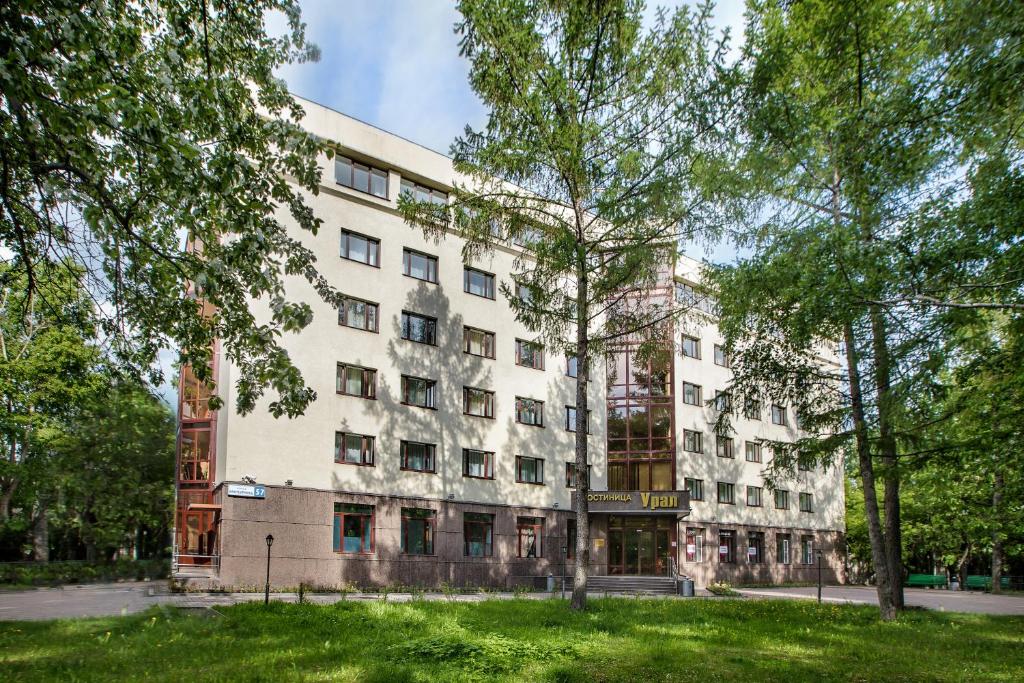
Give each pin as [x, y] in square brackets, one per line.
[439, 449]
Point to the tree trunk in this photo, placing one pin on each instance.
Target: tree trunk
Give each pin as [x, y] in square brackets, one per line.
[961, 565]
[887, 447]
[879, 558]
[579, 583]
[41, 533]
[997, 529]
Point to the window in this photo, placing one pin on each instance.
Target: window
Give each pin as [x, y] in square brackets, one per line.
[806, 502]
[694, 545]
[570, 475]
[754, 496]
[195, 452]
[477, 464]
[478, 282]
[727, 546]
[572, 366]
[529, 470]
[356, 247]
[477, 402]
[783, 553]
[529, 354]
[195, 396]
[477, 342]
[692, 441]
[691, 347]
[570, 539]
[695, 487]
[724, 447]
[418, 457]
[419, 328]
[421, 193]
[691, 394]
[353, 528]
[418, 531]
[361, 177]
[353, 449]
[419, 392]
[357, 314]
[530, 530]
[753, 451]
[695, 298]
[802, 465]
[420, 266]
[528, 237]
[755, 547]
[356, 381]
[726, 493]
[530, 412]
[781, 499]
[570, 419]
[720, 357]
[807, 550]
[752, 409]
[778, 414]
[478, 531]
[723, 401]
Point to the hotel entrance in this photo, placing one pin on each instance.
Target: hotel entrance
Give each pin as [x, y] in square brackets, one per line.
[640, 545]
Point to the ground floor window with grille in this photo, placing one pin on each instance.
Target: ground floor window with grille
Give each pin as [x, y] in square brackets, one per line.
[694, 545]
[755, 547]
[727, 547]
[529, 531]
[807, 549]
[353, 528]
[783, 549]
[478, 530]
[418, 531]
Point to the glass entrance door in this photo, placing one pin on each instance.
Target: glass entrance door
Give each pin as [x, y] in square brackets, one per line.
[640, 545]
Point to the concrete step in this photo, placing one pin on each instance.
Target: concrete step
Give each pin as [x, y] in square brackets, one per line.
[631, 584]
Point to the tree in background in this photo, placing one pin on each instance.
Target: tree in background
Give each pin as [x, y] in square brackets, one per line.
[600, 154]
[129, 127]
[876, 227]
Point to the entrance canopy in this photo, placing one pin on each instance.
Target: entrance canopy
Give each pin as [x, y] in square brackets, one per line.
[675, 503]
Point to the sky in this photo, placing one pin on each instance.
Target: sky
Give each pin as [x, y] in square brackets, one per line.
[395, 64]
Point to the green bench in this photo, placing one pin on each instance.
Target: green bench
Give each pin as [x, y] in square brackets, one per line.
[982, 582]
[926, 581]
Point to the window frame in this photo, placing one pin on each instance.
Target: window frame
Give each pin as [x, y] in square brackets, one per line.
[407, 255]
[339, 526]
[367, 449]
[696, 389]
[343, 311]
[785, 499]
[720, 350]
[695, 534]
[536, 526]
[370, 172]
[696, 345]
[781, 411]
[809, 498]
[699, 443]
[807, 550]
[725, 447]
[731, 490]
[344, 251]
[488, 465]
[406, 328]
[752, 409]
[538, 463]
[489, 337]
[728, 535]
[488, 277]
[755, 541]
[759, 491]
[371, 383]
[698, 487]
[405, 183]
[570, 425]
[784, 548]
[570, 475]
[430, 392]
[481, 520]
[538, 352]
[488, 402]
[540, 412]
[429, 529]
[430, 454]
[756, 449]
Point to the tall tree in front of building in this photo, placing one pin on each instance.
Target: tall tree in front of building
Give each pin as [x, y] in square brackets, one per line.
[599, 156]
[859, 174]
[130, 126]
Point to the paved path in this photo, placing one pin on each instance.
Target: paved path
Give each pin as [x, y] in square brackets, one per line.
[941, 600]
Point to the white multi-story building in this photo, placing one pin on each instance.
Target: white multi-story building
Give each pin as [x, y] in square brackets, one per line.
[439, 447]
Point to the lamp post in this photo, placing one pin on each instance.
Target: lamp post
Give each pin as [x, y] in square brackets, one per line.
[818, 555]
[266, 595]
[565, 558]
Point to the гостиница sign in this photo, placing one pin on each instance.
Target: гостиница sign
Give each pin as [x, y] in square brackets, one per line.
[639, 502]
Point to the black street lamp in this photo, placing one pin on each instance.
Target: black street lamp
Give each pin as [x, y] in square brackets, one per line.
[270, 542]
[818, 554]
[565, 559]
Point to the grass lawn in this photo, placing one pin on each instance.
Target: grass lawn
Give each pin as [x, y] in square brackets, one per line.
[520, 640]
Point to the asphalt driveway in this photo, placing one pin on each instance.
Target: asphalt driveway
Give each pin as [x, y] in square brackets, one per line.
[941, 600]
